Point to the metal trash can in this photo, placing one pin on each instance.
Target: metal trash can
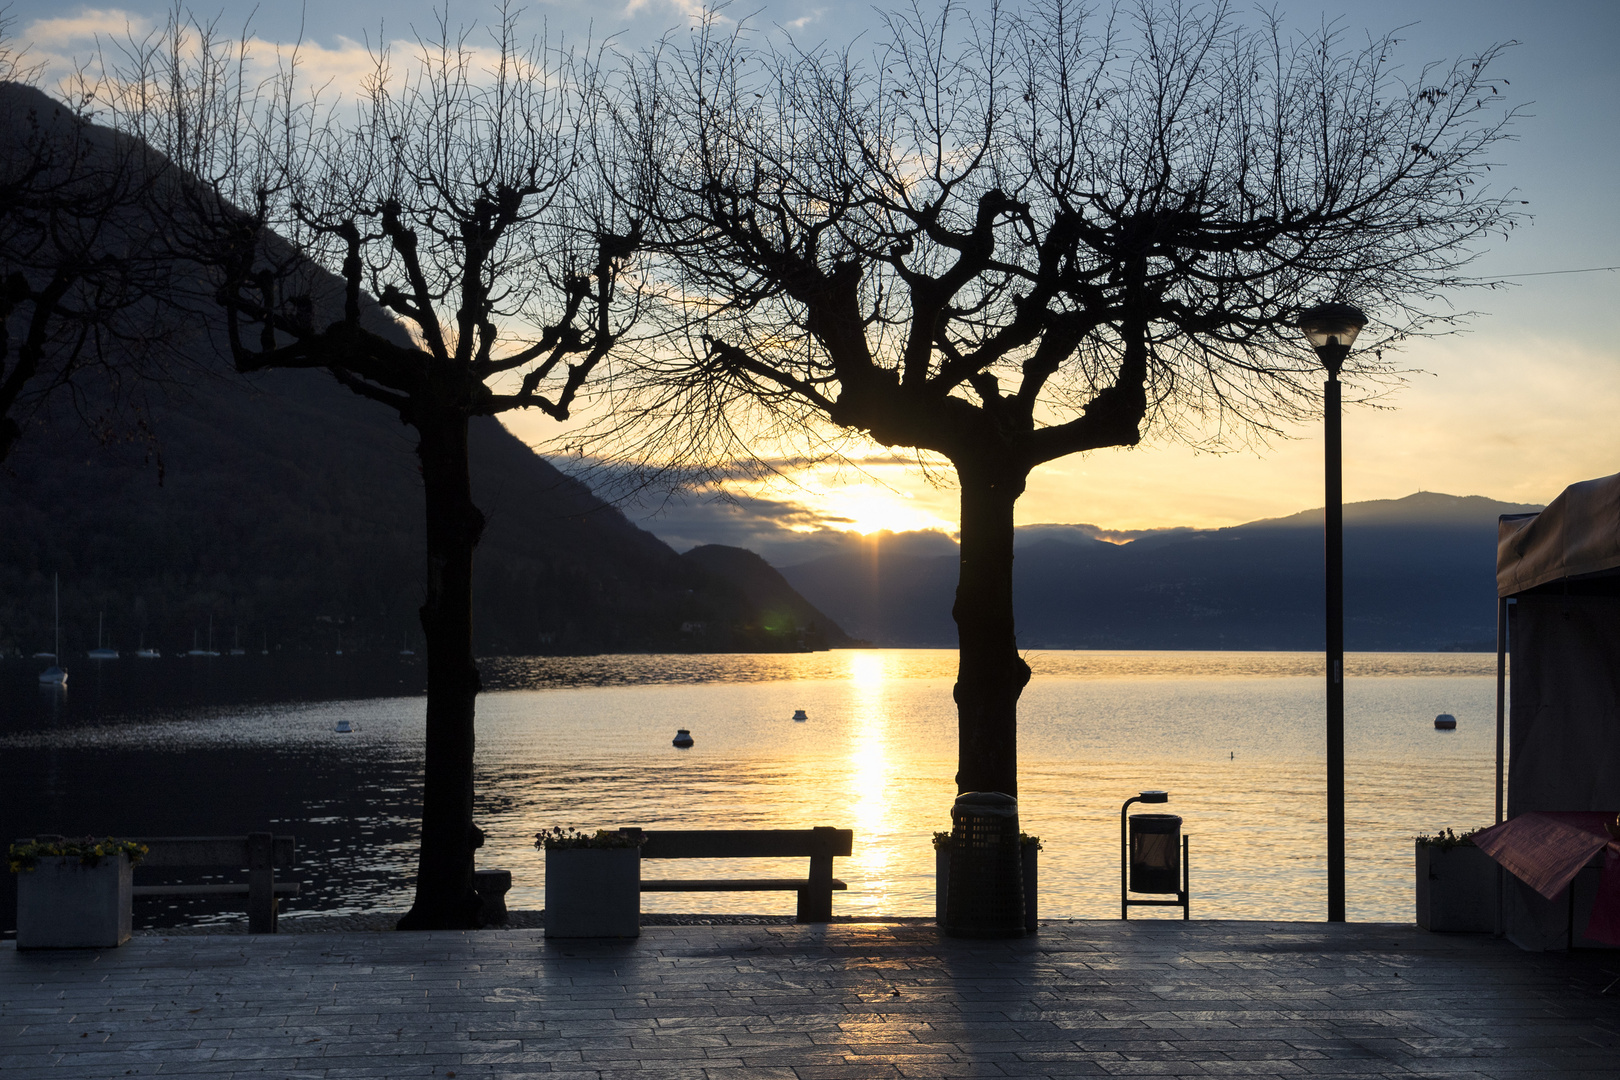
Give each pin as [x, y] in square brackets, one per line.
[986, 895]
[1155, 853]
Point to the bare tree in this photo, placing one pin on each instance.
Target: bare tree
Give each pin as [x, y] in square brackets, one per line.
[449, 251]
[80, 319]
[1009, 238]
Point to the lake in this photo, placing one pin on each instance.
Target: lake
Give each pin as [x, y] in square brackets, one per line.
[234, 744]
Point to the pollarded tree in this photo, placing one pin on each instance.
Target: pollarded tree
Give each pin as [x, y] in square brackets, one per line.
[1010, 238]
[449, 252]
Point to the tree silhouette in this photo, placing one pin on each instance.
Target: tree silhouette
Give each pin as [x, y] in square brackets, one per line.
[80, 316]
[448, 251]
[1004, 239]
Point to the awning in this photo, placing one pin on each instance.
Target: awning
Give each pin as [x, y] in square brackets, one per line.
[1578, 533]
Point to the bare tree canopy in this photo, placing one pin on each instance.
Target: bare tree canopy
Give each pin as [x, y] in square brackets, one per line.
[83, 317]
[1007, 237]
[446, 246]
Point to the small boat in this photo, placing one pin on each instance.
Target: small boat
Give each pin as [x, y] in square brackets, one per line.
[343, 728]
[203, 652]
[54, 675]
[799, 715]
[683, 739]
[1445, 722]
[148, 654]
[44, 656]
[101, 652]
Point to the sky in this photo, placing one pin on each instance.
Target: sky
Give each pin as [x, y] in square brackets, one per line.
[1522, 403]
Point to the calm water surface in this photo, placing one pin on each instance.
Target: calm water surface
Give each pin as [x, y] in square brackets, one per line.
[585, 742]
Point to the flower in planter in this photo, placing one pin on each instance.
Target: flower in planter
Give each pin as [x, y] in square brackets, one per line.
[90, 851]
[1445, 839]
[558, 838]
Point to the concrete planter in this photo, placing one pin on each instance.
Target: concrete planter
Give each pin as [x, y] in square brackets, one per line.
[593, 892]
[1456, 889]
[63, 904]
[1031, 863]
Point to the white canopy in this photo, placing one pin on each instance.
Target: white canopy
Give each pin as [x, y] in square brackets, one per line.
[1578, 533]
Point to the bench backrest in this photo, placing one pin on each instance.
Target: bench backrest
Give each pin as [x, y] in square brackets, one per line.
[214, 850]
[820, 842]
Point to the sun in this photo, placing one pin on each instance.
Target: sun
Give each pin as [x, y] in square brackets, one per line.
[870, 508]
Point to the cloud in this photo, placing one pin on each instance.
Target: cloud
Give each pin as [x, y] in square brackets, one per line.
[813, 15]
[65, 45]
[691, 10]
[75, 31]
[782, 531]
[1081, 532]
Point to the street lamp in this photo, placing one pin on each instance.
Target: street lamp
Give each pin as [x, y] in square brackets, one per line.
[1331, 330]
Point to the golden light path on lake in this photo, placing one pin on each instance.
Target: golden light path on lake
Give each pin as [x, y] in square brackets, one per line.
[1236, 738]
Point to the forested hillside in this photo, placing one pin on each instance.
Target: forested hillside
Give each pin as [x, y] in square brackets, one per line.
[290, 513]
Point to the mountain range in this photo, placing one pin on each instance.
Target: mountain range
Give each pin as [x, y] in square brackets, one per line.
[1419, 576]
[288, 515]
[281, 511]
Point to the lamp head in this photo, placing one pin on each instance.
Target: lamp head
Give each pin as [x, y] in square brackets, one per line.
[1155, 796]
[1331, 330]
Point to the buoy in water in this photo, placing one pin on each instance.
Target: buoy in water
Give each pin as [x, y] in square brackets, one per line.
[1445, 722]
[343, 728]
[798, 714]
[683, 738]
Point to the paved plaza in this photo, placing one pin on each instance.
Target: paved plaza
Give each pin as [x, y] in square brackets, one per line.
[1161, 998]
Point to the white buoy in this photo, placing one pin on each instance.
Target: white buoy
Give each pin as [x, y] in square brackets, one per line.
[1445, 722]
[683, 738]
[799, 715]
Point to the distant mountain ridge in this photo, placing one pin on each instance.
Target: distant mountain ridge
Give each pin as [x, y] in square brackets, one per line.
[1419, 575]
[290, 514]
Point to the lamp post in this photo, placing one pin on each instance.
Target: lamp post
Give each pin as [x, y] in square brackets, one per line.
[1331, 329]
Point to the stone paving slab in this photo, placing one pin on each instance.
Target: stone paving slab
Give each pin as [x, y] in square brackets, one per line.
[846, 1001]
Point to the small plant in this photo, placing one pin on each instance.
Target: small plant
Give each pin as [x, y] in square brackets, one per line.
[90, 851]
[564, 839]
[1445, 839]
[942, 841]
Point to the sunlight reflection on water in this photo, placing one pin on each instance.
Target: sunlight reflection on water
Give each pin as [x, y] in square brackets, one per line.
[1235, 737]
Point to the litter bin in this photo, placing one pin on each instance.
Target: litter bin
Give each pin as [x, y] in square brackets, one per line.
[1155, 853]
[986, 896]
[1153, 857]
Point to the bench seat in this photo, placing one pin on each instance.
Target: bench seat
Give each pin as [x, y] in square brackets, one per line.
[821, 845]
[280, 888]
[259, 853]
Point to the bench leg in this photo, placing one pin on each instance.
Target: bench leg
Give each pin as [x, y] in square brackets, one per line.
[815, 902]
[261, 884]
[815, 905]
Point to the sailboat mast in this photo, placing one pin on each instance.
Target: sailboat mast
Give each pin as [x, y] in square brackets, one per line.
[56, 584]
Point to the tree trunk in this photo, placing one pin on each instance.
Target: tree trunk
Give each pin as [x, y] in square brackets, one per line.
[445, 899]
[990, 673]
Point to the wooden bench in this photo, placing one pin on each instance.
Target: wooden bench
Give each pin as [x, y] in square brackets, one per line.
[260, 853]
[820, 845]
